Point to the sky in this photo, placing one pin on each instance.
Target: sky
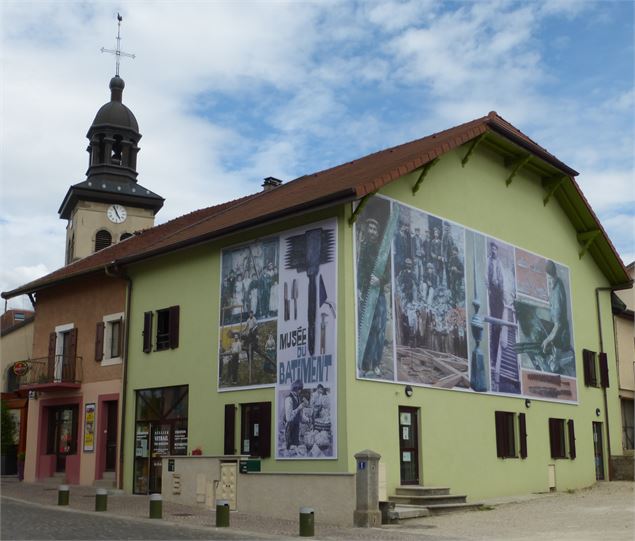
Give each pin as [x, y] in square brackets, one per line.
[228, 93]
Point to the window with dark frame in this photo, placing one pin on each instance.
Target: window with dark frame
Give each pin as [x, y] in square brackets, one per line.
[255, 429]
[114, 347]
[589, 367]
[167, 329]
[505, 434]
[557, 438]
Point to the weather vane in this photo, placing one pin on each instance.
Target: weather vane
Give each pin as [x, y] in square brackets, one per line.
[117, 52]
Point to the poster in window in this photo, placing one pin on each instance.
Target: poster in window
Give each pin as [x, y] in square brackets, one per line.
[89, 428]
[180, 441]
[161, 440]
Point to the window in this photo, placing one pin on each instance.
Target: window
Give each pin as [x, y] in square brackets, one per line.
[109, 339]
[103, 239]
[167, 329]
[590, 373]
[62, 353]
[556, 438]
[506, 434]
[255, 429]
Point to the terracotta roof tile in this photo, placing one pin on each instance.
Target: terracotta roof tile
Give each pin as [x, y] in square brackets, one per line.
[347, 181]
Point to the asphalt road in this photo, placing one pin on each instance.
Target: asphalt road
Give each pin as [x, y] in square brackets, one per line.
[21, 521]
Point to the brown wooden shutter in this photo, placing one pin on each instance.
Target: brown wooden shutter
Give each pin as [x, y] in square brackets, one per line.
[174, 326]
[147, 332]
[265, 429]
[571, 438]
[51, 356]
[499, 418]
[99, 340]
[72, 353]
[604, 370]
[230, 429]
[522, 429]
[553, 438]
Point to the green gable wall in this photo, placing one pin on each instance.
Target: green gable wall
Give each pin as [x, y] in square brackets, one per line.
[457, 436]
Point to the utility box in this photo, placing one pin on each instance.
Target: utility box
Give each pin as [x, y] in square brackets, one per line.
[250, 465]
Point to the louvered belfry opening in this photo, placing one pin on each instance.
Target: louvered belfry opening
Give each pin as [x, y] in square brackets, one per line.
[103, 239]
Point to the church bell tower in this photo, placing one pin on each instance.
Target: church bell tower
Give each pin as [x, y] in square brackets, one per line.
[110, 205]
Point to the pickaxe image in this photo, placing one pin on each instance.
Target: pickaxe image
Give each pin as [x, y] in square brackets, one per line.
[305, 253]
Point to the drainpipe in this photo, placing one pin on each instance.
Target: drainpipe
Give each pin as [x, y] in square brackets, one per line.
[113, 271]
[627, 285]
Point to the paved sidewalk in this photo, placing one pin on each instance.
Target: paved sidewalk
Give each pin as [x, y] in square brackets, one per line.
[605, 511]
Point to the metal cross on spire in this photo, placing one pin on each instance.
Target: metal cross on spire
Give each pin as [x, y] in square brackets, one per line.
[117, 52]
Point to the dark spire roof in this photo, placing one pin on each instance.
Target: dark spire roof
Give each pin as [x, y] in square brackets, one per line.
[115, 113]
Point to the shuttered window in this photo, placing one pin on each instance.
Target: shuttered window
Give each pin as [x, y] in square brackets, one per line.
[590, 373]
[522, 429]
[147, 332]
[255, 429]
[505, 436]
[604, 370]
[571, 431]
[103, 239]
[556, 438]
[99, 341]
[230, 429]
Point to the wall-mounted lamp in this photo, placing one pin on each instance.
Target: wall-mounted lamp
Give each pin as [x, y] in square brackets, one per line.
[527, 403]
[597, 412]
[408, 391]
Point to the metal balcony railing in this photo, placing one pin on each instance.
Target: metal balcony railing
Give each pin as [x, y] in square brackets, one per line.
[60, 369]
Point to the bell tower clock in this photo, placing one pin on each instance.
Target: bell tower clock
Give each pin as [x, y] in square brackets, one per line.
[110, 205]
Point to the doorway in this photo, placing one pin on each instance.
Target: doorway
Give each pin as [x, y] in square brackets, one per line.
[409, 445]
[110, 441]
[598, 451]
[62, 434]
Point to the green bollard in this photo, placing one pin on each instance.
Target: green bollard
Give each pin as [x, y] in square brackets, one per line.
[101, 499]
[307, 522]
[63, 495]
[156, 506]
[222, 514]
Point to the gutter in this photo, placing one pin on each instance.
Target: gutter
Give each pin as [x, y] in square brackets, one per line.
[626, 285]
[118, 273]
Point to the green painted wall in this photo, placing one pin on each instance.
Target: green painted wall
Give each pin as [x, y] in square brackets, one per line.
[457, 430]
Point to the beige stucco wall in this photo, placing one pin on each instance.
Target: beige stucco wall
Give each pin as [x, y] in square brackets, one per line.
[279, 495]
[625, 341]
[16, 345]
[88, 218]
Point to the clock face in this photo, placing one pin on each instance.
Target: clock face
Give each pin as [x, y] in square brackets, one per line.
[117, 214]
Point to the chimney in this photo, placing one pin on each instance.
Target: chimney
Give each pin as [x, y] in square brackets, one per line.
[270, 183]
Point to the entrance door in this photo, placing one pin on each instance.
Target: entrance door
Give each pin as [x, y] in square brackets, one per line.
[111, 435]
[62, 434]
[598, 451]
[409, 445]
[160, 446]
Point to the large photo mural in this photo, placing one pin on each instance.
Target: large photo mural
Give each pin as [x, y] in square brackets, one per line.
[441, 305]
[278, 327]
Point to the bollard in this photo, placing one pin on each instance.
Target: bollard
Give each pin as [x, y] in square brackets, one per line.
[222, 514]
[156, 506]
[63, 494]
[307, 522]
[101, 499]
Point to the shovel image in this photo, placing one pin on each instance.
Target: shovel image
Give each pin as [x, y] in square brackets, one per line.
[305, 253]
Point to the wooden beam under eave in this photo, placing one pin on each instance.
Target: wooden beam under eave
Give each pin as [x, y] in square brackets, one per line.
[424, 171]
[551, 184]
[587, 238]
[472, 148]
[359, 208]
[517, 166]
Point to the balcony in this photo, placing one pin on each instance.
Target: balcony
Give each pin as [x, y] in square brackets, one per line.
[58, 373]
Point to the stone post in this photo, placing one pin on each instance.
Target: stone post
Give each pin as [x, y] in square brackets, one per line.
[367, 513]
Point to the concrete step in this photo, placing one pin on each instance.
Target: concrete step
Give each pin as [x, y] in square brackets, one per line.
[443, 509]
[441, 499]
[417, 490]
[402, 512]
